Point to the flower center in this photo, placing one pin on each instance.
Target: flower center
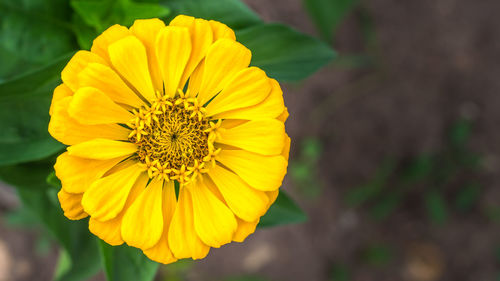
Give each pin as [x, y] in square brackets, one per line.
[174, 138]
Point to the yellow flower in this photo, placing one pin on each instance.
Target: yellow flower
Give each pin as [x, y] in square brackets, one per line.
[175, 144]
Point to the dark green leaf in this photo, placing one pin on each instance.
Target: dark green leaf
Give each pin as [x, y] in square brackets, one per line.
[32, 33]
[329, 14]
[234, 13]
[53, 181]
[124, 263]
[30, 176]
[283, 211]
[285, 54]
[24, 115]
[79, 245]
[102, 14]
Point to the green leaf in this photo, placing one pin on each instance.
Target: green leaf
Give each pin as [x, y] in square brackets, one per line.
[285, 54]
[27, 176]
[329, 14]
[124, 263]
[102, 14]
[24, 115]
[92, 17]
[80, 255]
[32, 33]
[283, 211]
[234, 13]
[436, 207]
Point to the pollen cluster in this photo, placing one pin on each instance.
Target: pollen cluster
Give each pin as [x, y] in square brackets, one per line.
[174, 138]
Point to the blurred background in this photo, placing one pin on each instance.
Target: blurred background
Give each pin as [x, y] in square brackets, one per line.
[394, 157]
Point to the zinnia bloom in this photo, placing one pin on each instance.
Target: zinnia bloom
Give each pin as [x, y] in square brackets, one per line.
[175, 144]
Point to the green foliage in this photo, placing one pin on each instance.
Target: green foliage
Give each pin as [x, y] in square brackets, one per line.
[304, 168]
[436, 207]
[124, 263]
[16, 174]
[377, 255]
[24, 117]
[79, 249]
[92, 17]
[32, 33]
[359, 195]
[467, 197]
[285, 54]
[395, 180]
[283, 211]
[329, 14]
[176, 271]
[37, 38]
[234, 13]
[340, 272]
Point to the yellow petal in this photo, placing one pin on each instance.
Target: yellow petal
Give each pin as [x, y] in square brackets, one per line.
[77, 174]
[71, 205]
[264, 173]
[246, 202]
[182, 237]
[201, 39]
[248, 87]
[102, 149]
[161, 251]
[142, 224]
[283, 116]
[106, 197]
[68, 131]
[60, 92]
[224, 59]
[106, 80]
[128, 56]
[110, 231]
[271, 107]
[195, 79]
[147, 30]
[221, 30]
[90, 106]
[265, 136]
[286, 149]
[244, 229]
[78, 62]
[272, 195]
[173, 48]
[214, 222]
[108, 37]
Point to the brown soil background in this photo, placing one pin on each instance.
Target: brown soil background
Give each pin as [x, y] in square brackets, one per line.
[438, 60]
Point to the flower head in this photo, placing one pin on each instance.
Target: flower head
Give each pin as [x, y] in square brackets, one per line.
[175, 144]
